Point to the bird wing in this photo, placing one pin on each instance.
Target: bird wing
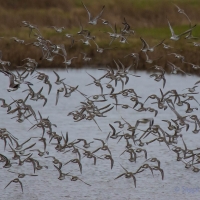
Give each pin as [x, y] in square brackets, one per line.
[187, 31]
[84, 182]
[134, 179]
[8, 184]
[11, 77]
[57, 96]
[89, 14]
[145, 45]
[120, 176]
[58, 78]
[99, 15]
[22, 185]
[171, 29]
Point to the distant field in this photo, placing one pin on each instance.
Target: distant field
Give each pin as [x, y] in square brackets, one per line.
[146, 17]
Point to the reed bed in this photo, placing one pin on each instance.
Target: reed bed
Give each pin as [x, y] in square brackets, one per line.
[146, 17]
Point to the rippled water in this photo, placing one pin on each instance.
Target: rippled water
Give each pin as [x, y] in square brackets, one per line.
[178, 183]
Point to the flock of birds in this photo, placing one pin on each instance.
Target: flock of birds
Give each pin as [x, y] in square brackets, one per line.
[92, 108]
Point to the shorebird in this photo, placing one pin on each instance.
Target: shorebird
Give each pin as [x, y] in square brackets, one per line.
[146, 47]
[61, 175]
[104, 146]
[5, 105]
[135, 56]
[16, 180]
[96, 82]
[159, 169]
[121, 125]
[195, 118]
[85, 58]
[166, 46]
[127, 175]
[31, 27]
[92, 20]
[13, 86]
[190, 36]
[189, 109]
[143, 167]
[22, 175]
[34, 96]
[148, 60]
[106, 22]
[57, 95]
[69, 61]
[114, 134]
[86, 42]
[109, 157]
[191, 89]
[83, 31]
[58, 80]
[55, 161]
[3, 63]
[58, 29]
[16, 156]
[101, 50]
[7, 164]
[75, 161]
[132, 153]
[196, 130]
[22, 152]
[182, 119]
[17, 40]
[177, 37]
[178, 56]
[75, 178]
[127, 28]
[153, 160]
[181, 11]
[40, 153]
[19, 146]
[194, 66]
[158, 77]
[175, 69]
[170, 126]
[139, 150]
[71, 38]
[86, 144]
[114, 35]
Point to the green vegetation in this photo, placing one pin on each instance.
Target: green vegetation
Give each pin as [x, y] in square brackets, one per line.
[146, 17]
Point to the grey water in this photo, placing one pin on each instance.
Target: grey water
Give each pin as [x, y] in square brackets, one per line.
[178, 183]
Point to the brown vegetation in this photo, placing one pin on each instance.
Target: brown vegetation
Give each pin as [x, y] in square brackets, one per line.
[146, 17]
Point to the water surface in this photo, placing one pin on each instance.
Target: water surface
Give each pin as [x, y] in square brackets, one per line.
[178, 183]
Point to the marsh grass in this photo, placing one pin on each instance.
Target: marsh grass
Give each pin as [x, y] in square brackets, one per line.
[146, 17]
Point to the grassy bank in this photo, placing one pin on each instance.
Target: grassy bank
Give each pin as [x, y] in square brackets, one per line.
[146, 17]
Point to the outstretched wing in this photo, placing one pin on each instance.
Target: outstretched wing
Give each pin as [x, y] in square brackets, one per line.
[89, 14]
